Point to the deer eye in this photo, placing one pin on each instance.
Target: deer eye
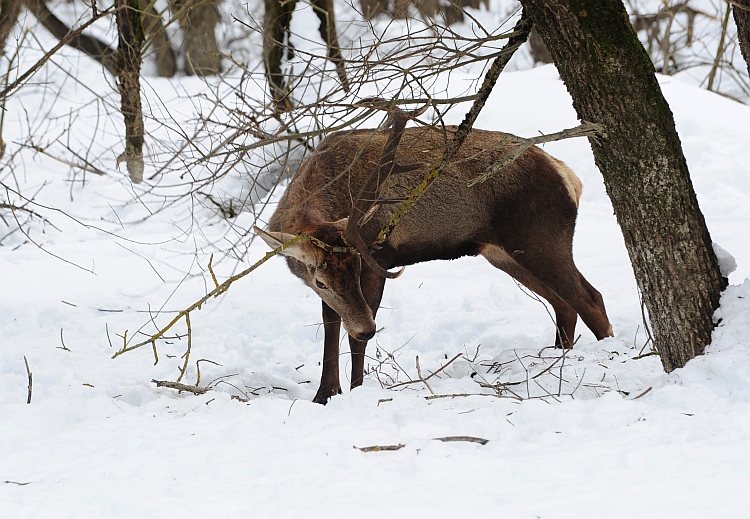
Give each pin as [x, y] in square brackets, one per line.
[320, 285]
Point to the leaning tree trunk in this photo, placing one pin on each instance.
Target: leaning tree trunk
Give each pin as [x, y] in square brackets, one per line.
[611, 80]
[741, 11]
[89, 45]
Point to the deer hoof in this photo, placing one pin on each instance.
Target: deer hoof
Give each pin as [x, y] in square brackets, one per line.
[324, 394]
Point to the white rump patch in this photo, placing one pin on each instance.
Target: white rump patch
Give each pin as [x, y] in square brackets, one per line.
[570, 179]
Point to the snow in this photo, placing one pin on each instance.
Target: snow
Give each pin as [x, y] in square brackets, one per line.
[602, 432]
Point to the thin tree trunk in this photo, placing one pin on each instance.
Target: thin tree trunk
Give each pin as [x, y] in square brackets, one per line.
[741, 12]
[95, 48]
[129, 52]
[611, 80]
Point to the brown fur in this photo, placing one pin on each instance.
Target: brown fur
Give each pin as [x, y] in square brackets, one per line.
[522, 220]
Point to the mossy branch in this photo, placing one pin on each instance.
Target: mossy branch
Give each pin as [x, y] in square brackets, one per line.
[520, 34]
[216, 292]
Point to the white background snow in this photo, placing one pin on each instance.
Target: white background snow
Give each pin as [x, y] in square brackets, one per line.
[603, 433]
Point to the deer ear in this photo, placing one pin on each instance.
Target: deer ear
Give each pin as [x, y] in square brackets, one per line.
[299, 250]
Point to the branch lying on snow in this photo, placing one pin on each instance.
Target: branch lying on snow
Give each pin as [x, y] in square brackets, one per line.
[470, 439]
[182, 387]
[380, 448]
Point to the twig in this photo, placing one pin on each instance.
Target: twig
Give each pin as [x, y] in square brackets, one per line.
[62, 341]
[421, 378]
[181, 387]
[28, 371]
[424, 380]
[461, 395]
[644, 393]
[198, 369]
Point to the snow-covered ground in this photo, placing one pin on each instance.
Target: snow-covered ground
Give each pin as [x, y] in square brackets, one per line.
[602, 432]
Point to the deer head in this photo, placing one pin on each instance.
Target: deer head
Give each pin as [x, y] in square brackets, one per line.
[333, 274]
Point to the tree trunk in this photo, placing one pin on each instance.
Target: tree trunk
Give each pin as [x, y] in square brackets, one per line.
[611, 80]
[741, 11]
[199, 18]
[129, 52]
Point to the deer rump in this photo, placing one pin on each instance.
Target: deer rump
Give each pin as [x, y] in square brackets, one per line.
[521, 220]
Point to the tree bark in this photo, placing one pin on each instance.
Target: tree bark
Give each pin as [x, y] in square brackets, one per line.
[741, 12]
[611, 80]
[129, 52]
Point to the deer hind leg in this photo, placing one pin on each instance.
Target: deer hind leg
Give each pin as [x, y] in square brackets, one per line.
[372, 288]
[554, 267]
[565, 316]
[556, 278]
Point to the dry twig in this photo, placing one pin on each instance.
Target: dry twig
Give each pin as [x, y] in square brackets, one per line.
[28, 372]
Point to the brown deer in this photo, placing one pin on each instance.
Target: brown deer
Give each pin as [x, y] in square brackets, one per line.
[521, 220]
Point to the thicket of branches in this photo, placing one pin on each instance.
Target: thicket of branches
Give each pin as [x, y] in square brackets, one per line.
[393, 50]
[255, 115]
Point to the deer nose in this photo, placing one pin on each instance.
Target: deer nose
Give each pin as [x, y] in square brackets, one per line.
[365, 336]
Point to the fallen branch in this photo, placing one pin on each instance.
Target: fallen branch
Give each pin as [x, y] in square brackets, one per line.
[379, 448]
[181, 387]
[471, 439]
[460, 395]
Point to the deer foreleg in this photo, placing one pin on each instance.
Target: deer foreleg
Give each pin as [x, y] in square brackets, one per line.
[329, 380]
[372, 288]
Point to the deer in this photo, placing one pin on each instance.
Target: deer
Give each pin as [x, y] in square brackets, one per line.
[346, 192]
